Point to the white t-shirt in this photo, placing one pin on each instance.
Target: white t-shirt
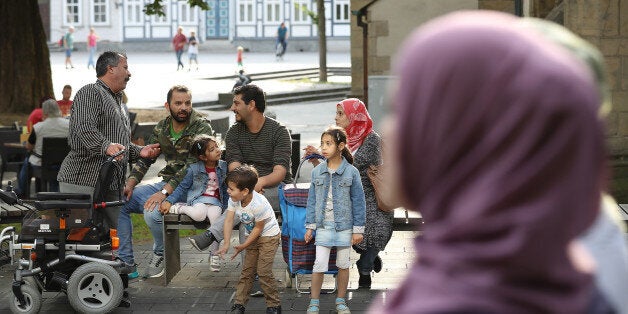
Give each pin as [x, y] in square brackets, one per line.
[258, 209]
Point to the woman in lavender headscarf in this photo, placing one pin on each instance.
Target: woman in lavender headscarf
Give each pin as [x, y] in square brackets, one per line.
[497, 142]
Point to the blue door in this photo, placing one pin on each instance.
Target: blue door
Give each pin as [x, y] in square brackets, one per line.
[218, 19]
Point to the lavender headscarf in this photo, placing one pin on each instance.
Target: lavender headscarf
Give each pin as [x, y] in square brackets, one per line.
[502, 153]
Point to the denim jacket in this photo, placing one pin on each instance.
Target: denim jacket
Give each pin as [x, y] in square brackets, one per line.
[347, 193]
[195, 182]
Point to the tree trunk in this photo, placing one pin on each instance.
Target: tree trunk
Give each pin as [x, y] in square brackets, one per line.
[322, 41]
[25, 74]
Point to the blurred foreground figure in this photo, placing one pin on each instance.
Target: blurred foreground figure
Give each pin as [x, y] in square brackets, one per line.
[496, 139]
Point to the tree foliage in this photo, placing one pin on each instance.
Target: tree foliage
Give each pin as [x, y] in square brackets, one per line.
[156, 8]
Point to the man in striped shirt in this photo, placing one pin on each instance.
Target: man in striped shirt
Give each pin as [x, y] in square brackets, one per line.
[175, 135]
[99, 127]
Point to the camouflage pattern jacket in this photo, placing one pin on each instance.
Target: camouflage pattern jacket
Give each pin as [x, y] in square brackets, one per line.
[176, 152]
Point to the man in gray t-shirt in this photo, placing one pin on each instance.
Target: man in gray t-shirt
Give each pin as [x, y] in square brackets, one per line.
[258, 141]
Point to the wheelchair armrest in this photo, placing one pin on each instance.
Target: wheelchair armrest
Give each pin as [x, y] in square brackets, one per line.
[8, 197]
[60, 204]
[46, 196]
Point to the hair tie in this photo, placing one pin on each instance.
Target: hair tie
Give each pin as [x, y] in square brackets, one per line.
[200, 146]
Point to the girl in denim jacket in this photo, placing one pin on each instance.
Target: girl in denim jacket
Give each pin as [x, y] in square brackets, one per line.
[205, 187]
[336, 210]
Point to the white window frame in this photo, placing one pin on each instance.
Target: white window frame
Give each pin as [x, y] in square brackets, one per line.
[185, 9]
[298, 16]
[67, 5]
[134, 16]
[163, 20]
[273, 11]
[345, 8]
[246, 9]
[105, 5]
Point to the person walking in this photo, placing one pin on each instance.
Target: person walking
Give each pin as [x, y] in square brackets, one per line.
[68, 45]
[174, 135]
[92, 40]
[282, 39]
[193, 50]
[99, 127]
[178, 43]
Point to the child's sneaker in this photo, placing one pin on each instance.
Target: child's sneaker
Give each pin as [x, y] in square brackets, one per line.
[214, 263]
[341, 306]
[314, 306]
[174, 208]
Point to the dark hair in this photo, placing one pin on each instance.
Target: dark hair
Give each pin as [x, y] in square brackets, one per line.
[252, 92]
[339, 135]
[67, 87]
[244, 177]
[178, 88]
[106, 59]
[200, 143]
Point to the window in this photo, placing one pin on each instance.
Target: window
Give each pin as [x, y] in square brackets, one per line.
[273, 11]
[71, 12]
[341, 12]
[163, 20]
[300, 8]
[187, 14]
[100, 9]
[133, 12]
[246, 11]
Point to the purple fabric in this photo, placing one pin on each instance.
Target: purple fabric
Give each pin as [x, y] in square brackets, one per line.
[502, 153]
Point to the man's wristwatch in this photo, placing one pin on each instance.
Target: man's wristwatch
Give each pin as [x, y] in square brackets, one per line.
[165, 192]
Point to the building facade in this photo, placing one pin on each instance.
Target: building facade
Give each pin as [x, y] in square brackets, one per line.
[234, 20]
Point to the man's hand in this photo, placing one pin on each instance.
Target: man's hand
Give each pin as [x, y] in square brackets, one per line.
[223, 250]
[259, 187]
[128, 188]
[238, 248]
[114, 148]
[154, 201]
[310, 150]
[165, 207]
[151, 151]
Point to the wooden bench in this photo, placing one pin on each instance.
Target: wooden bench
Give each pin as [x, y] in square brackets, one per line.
[12, 213]
[172, 223]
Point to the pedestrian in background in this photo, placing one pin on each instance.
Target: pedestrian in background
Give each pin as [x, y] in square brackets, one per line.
[68, 45]
[92, 40]
[240, 50]
[178, 43]
[193, 50]
[282, 39]
[494, 169]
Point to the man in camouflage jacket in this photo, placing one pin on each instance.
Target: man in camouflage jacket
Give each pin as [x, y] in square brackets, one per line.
[175, 135]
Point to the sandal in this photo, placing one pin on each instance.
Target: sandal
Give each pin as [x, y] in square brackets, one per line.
[341, 306]
[313, 307]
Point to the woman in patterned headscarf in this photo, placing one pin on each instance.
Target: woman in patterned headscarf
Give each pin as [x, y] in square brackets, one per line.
[366, 147]
[496, 139]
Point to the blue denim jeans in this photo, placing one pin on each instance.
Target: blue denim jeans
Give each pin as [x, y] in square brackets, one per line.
[153, 219]
[365, 263]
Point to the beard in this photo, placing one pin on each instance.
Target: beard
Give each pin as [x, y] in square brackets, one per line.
[176, 117]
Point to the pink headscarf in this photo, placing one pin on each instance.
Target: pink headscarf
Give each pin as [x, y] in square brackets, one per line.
[502, 151]
[360, 123]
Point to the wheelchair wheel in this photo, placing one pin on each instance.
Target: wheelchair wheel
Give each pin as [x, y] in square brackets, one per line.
[33, 300]
[95, 288]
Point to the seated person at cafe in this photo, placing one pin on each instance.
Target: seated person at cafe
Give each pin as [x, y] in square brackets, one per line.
[36, 115]
[65, 104]
[53, 125]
